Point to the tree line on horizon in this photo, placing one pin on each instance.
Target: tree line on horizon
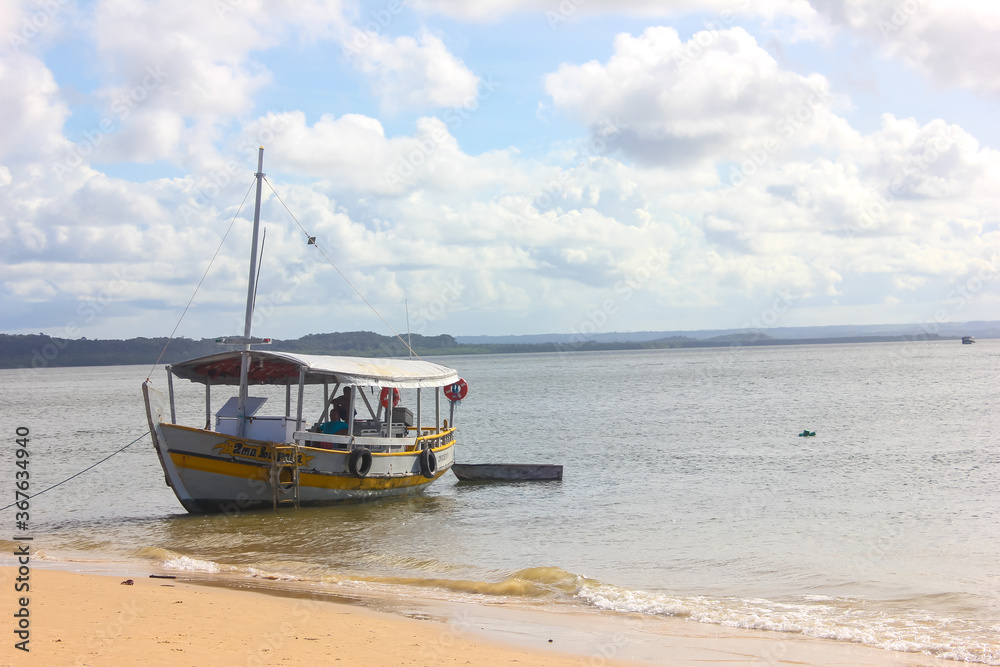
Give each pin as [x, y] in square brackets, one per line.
[42, 351]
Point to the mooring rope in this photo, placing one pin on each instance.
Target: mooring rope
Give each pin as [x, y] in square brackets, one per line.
[35, 495]
[204, 275]
[312, 241]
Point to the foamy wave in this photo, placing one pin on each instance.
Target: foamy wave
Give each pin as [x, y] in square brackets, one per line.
[273, 576]
[841, 619]
[513, 587]
[187, 564]
[171, 560]
[613, 598]
[537, 583]
[551, 577]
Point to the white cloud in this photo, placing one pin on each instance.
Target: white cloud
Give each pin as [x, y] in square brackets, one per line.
[409, 73]
[30, 26]
[353, 152]
[169, 64]
[177, 70]
[31, 112]
[952, 41]
[463, 257]
[562, 10]
[708, 99]
[734, 180]
[202, 48]
[908, 201]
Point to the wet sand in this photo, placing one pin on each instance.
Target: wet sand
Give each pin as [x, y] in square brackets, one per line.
[95, 619]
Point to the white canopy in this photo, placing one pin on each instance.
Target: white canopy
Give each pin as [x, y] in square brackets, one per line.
[283, 367]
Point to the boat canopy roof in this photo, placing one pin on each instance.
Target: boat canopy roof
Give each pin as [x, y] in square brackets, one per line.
[283, 367]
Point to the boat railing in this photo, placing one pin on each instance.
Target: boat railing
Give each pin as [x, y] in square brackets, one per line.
[435, 437]
[346, 443]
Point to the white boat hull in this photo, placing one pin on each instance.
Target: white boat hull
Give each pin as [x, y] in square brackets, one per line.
[216, 472]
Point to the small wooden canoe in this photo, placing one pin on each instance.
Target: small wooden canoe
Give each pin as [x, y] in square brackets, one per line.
[506, 472]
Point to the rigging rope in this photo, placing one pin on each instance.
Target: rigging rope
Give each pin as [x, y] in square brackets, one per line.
[256, 281]
[84, 470]
[204, 275]
[191, 300]
[312, 241]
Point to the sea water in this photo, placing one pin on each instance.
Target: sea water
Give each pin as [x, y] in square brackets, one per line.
[687, 491]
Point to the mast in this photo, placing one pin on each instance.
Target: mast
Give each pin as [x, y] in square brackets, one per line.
[251, 290]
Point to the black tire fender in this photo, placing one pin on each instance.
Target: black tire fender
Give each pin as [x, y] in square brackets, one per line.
[428, 463]
[359, 462]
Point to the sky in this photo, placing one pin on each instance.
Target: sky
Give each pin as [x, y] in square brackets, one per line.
[497, 167]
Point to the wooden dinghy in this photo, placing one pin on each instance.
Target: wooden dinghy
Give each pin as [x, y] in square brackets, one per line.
[506, 472]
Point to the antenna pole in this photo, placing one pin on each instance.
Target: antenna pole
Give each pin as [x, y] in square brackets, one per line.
[251, 291]
[409, 340]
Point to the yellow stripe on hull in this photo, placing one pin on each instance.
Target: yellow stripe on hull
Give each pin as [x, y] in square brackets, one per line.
[248, 471]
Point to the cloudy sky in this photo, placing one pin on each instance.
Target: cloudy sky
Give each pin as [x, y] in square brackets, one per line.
[498, 166]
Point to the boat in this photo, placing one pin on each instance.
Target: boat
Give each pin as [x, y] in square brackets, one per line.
[507, 472]
[243, 457]
[968, 340]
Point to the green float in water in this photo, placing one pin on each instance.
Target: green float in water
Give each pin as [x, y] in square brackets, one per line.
[806, 434]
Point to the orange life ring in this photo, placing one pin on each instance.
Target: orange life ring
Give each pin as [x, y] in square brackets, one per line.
[383, 397]
[457, 390]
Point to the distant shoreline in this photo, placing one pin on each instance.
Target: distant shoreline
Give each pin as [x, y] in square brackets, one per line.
[42, 351]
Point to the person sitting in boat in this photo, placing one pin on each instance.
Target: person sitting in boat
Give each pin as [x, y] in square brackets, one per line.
[338, 415]
[335, 426]
[341, 405]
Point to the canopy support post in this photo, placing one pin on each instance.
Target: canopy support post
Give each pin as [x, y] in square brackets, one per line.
[170, 390]
[437, 409]
[419, 432]
[302, 389]
[352, 390]
[208, 403]
[367, 404]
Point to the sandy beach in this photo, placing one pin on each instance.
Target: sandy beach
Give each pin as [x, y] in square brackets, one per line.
[91, 619]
